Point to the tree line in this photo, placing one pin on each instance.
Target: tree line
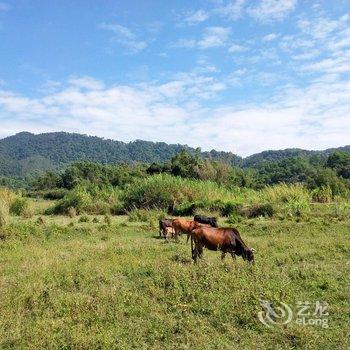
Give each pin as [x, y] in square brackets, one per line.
[332, 172]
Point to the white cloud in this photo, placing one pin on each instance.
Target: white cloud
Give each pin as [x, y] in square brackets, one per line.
[212, 37]
[272, 10]
[125, 37]
[196, 17]
[270, 37]
[232, 9]
[313, 117]
[237, 48]
[87, 83]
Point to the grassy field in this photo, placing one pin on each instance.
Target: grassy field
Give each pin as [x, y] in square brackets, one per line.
[92, 286]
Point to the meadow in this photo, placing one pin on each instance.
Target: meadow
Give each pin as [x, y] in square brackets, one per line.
[89, 281]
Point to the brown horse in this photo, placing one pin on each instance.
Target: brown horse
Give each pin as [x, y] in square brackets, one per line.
[227, 240]
[164, 225]
[185, 226]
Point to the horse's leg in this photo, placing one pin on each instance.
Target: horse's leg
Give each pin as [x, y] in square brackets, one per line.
[194, 249]
[200, 250]
[233, 255]
[223, 254]
[174, 233]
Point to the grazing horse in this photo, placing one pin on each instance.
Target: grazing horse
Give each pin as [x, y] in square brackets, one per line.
[227, 240]
[185, 226]
[164, 224]
[209, 220]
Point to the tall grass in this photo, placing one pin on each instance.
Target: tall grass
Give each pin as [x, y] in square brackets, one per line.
[4, 213]
[293, 199]
[90, 199]
[7, 197]
[166, 192]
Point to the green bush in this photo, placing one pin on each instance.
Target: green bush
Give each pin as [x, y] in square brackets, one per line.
[90, 199]
[231, 208]
[19, 206]
[297, 208]
[322, 194]
[167, 192]
[185, 209]
[256, 210]
[54, 194]
[234, 219]
[143, 215]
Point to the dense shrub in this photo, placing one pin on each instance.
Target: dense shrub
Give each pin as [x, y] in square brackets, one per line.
[231, 208]
[143, 215]
[322, 194]
[257, 210]
[19, 206]
[89, 199]
[167, 192]
[54, 194]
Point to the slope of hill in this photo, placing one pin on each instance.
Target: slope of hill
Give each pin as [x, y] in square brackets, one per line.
[26, 153]
[274, 156]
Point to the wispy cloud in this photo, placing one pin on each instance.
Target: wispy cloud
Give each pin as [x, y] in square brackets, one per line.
[272, 10]
[196, 17]
[312, 117]
[212, 37]
[237, 48]
[270, 37]
[232, 9]
[124, 36]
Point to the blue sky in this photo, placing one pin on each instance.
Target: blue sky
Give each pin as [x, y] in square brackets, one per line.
[241, 76]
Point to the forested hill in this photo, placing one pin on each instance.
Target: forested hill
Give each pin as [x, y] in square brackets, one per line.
[27, 154]
[275, 156]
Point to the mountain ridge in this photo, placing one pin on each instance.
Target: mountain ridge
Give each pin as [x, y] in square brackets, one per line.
[26, 154]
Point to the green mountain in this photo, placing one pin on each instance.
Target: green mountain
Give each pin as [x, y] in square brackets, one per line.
[26, 154]
[275, 156]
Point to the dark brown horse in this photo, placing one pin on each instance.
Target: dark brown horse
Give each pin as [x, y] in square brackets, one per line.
[227, 240]
[209, 220]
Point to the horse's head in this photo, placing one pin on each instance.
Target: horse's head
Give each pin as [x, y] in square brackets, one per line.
[249, 255]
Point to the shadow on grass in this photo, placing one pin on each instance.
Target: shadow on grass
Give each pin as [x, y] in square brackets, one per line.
[180, 259]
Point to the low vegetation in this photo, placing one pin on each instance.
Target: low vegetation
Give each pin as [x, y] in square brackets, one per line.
[82, 265]
[91, 285]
